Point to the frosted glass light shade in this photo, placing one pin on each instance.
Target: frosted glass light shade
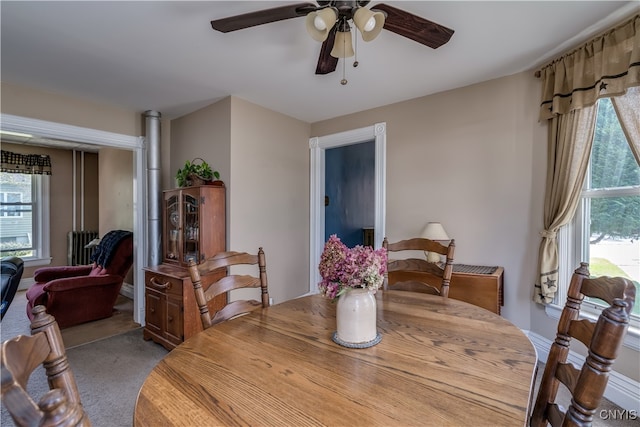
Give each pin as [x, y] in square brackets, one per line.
[368, 22]
[320, 22]
[342, 47]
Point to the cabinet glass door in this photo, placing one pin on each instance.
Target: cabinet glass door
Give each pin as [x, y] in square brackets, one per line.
[172, 221]
[191, 237]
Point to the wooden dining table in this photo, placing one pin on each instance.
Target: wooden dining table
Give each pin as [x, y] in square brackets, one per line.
[441, 362]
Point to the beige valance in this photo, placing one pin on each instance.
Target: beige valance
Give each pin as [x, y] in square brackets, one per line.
[32, 164]
[605, 66]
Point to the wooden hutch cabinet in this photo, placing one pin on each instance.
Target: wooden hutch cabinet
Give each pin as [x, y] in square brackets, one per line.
[193, 228]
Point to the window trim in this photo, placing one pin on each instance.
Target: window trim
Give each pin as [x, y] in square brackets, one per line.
[41, 189]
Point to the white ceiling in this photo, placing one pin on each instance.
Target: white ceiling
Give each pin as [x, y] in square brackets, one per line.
[164, 56]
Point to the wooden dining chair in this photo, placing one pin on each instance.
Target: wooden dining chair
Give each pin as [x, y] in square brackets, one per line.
[415, 274]
[229, 283]
[602, 338]
[19, 358]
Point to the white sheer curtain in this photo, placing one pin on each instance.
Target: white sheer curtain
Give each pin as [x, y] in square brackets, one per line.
[628, 110]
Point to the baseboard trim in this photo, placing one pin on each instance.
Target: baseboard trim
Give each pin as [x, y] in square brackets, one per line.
[621, 390]
[127, 290]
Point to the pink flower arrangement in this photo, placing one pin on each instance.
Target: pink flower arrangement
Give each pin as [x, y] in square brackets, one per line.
[342, 268]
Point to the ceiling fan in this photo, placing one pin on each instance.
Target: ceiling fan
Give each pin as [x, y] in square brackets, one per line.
[329, 22]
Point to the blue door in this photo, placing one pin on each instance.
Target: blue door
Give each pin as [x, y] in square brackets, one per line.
[350, 192]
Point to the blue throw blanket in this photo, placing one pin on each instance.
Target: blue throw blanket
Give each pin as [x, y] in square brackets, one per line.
[107, 247]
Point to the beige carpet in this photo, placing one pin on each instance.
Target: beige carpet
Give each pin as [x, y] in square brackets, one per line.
[109, 359]
[16, 322]
[109, 374]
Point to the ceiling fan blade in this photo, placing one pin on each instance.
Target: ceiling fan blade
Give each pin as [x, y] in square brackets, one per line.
[414, 27]
[327, 63]
[251, 19]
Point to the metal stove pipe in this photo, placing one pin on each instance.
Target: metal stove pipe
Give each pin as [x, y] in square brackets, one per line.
[154, 192]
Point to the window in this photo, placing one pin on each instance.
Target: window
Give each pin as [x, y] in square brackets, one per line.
[24, 217]
[605, 231]
[12, 204]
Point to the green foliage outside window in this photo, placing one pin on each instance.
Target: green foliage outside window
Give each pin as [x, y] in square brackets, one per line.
[612, 166]
[612, 215]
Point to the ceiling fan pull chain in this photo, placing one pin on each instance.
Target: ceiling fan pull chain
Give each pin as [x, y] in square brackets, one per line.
[344, 61]
[355, 59]
[344, 77]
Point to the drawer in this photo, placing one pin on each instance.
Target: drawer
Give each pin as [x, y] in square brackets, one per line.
[162, 283]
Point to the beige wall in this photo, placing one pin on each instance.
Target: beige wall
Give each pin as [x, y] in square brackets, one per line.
[116, 193]
[36, 104]
[167, 175]
[204, 133]
[268, 194]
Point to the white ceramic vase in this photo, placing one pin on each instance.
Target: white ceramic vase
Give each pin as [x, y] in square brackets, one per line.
[356, 316]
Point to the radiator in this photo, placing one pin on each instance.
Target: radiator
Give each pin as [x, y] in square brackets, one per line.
[77, 254]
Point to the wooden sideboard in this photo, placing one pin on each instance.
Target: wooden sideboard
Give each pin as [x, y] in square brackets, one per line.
[482, 289]
[172, 314]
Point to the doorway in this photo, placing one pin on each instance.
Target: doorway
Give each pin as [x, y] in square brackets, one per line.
[318, 146]
[93, 137]
[350, 192]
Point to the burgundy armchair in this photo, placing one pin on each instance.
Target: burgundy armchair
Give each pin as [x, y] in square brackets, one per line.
[83, 293]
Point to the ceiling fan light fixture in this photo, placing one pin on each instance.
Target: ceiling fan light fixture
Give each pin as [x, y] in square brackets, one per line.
[329, 22]
[343, 46]
[369, 23]
[320, 22]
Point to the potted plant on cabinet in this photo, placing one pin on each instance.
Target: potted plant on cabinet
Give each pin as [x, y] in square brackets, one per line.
[193, 173]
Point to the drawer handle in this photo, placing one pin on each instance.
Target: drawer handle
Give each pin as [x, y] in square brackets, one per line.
[152, 310]
[161, 286]
[170, 318]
